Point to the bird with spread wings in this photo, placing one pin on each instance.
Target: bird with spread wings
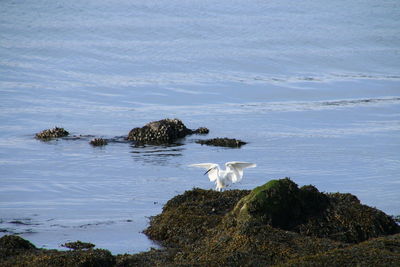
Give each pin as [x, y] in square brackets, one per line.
[233, 172]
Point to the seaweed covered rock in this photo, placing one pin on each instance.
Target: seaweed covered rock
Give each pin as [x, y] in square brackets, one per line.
[11, 245]
[224, 142]
[16, 251]
[186, 218]
[48, 134]
[382, 251]
[92, 257]
[14, 242]
[202, 224]
[273, 224]
[162, 132]
[347, 220]
[341, 217]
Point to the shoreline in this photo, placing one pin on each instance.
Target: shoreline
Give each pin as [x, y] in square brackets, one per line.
[205, 227]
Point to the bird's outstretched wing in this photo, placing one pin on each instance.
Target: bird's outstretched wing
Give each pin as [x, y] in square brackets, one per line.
[236, 167]
[212, 169]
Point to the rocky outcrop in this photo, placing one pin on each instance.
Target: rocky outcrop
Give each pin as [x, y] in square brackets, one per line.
[162, 132]
[273, 224]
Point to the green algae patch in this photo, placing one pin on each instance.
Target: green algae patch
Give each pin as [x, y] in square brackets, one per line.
[281, 204]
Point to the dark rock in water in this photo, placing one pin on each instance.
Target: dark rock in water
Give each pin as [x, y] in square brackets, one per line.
[52, 133]
[225, 142]
[162, 132]
[78, 245]
[201, 130]
[98, 142]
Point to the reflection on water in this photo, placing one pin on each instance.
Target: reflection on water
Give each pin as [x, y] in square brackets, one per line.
[156, 155]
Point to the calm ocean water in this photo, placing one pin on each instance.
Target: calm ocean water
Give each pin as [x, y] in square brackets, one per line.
[313, 86]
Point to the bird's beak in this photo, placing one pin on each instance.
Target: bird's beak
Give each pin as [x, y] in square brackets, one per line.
[207, 171]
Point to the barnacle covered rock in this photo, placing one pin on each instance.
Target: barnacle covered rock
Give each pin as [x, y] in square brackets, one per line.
[162, 132]
[48, 134]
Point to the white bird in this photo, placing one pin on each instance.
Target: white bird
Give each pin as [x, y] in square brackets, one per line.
[233, 172]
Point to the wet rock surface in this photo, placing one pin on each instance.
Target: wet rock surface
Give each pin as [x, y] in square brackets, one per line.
[224, 142]
[162, 132]
[276, 224]
[48, 134]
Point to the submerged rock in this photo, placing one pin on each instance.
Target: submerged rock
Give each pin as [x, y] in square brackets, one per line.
[48, 134]
[162, 132]
[225, 142]
[78, 245]
[98, 142]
